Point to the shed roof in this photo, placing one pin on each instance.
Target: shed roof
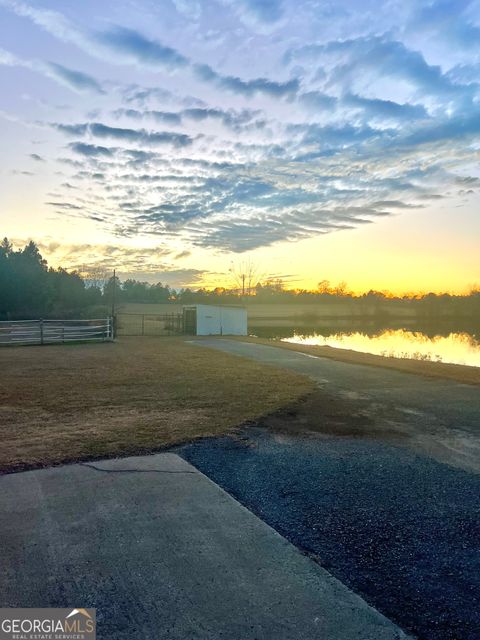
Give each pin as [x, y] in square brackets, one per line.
[218, 306]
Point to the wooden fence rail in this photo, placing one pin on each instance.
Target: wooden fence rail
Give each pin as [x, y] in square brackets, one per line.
[55, 331]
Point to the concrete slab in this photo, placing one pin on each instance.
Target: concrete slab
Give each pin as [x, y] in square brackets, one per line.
[163, 552]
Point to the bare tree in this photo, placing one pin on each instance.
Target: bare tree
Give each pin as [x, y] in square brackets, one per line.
[324, 286]
[473, 289]
[95, 276]
[245, 275]
[341, 288]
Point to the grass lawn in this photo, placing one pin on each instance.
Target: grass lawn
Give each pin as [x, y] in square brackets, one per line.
[75, 402]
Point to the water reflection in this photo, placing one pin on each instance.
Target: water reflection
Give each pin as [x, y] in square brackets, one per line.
[461, 347]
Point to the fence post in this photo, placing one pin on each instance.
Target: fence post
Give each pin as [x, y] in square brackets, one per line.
[41, 330]
[143, 324]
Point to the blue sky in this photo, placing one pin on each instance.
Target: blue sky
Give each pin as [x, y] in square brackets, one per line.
[318, 139]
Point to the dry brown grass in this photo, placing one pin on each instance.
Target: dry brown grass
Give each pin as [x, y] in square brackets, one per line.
[457, 372]
[70, 402]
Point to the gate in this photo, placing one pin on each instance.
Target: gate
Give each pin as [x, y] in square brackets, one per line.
[146, 324]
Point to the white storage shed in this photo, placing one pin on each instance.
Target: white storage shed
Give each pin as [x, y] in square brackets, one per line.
[213, 320]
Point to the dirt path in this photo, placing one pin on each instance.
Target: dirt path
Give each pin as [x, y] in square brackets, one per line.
[436, 417]
[457, 372]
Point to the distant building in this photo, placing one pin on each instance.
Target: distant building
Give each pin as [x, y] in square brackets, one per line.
[212, 320]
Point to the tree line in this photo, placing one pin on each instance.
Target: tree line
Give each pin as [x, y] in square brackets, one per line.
[29, 288]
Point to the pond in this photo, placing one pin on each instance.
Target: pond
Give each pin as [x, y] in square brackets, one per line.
[459, 347]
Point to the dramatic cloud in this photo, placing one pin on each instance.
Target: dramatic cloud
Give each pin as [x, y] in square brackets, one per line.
[260, 15]
[447, 19]
[191, 9]
[300, 122]
[131, 45]
[349, 63]
[166, 117]
[100, 130]
[90, 150]
[264, 10]
[74, 79]
[247, 88]
[70, 78]
[231, 118]
[123, 45]
[385, 109]
[151, 264]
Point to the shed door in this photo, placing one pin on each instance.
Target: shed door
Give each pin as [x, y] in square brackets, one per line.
[190, 321]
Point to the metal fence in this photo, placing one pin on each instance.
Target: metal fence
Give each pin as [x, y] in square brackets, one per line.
[142, 324]
[55, 331]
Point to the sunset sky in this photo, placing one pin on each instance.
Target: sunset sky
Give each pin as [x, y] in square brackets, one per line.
[174, 139]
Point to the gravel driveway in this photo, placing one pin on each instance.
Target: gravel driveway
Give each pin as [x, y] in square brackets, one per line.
[399, 529]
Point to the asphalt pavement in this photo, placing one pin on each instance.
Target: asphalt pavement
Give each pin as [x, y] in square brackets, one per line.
[400, 529]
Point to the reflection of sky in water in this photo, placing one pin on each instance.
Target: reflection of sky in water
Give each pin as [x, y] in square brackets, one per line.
[460, 348]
